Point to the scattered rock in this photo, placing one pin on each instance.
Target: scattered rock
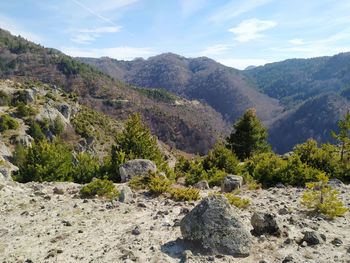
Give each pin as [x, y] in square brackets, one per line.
[288, 259]
[66, 223]
[231, 182]
[58, 191]
[214, 226]
[337, 242]
[136, 231]
[264, 223]
[312, 238]
[283, 211]
[202, 185]
[137, 167]
[126, 195]
[65, 110]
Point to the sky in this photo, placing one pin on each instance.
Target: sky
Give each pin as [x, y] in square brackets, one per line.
[236, 33]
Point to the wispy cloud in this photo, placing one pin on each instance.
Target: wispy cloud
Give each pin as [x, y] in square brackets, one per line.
[251, 29]
[121, 53]
[88, 35]
[236, 8]
[16, 29]
[189, 7]
[296, 41]
[215, 50]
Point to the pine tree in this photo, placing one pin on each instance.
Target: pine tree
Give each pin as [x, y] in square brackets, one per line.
[249, 136]
[344, 135]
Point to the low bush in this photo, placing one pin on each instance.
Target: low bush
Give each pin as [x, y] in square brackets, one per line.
[99, 187]
[158, 184]
[5, 98]
[321, 198]
[86, 167]
[139, 182]
[184, 194]
[8, 123]
[253, 185]
[24, 110]
[237, 201]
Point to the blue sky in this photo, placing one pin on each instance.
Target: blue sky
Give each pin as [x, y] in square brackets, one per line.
[236, 33]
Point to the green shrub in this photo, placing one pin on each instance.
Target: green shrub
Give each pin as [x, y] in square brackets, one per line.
[184, 194]
[45, 161]
[5, 99]
[215, 177]
[86, 168]
[101, 188]
[57, 126]
[8, 123]
[253, 185]
[237, 201]
[139, 182]
[322, 198]
[221, 158]
[24, 110]
[158, 184]
[36, 131]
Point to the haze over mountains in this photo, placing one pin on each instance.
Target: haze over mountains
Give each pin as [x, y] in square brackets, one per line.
[297, 98]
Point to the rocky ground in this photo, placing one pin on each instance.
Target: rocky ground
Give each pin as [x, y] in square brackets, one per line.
[49, 223]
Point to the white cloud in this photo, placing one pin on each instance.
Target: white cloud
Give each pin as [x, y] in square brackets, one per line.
[15, 29]
[215, 50]
[296, 41]
[121, 53]
[249, 30]
[88, 35]
[242, 63]
[236, 8]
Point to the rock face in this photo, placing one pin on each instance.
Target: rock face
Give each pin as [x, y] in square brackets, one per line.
[213, 226]
[264, 223]
[126, 195]
[231, 182]
[137, 167]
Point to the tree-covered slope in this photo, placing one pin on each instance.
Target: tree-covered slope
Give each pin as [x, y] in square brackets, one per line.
[190, 126]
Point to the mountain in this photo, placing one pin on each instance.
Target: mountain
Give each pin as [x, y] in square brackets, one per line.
[188, 125]
[296, 98]
[293, 81]
[315, 118]
[226, 89]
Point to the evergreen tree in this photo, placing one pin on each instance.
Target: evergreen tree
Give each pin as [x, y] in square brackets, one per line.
[343, 137]
[249, 136]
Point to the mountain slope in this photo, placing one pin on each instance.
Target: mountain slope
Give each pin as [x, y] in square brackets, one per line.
[227, 90]
[296, 80]
[315, 118]
[192, 127]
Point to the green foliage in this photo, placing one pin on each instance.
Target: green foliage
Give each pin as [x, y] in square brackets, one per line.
[57, 126]
[221, 158]
[215, 177]
[5, 99]
[343, 137]
[45, 161]
[249, 136]
[86, 167]
[160, 95]
[24, 110]
[135, 141]
[270, 169]
[322, 198]
[253, 185]
[184, 194]
[8, 123]
[237, 201]
[36, 132]
[100, 188]
[158, 184]
[139, 182]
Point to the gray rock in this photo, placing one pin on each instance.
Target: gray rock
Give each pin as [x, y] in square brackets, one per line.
[29, 95]
[335, 183]
[264, 223]
[337, 242]
[65, 110]
[202, 185]
[137, 167]
[213, 226]
[312, 238]
[231, 182]
[25, 140]
[126, 195]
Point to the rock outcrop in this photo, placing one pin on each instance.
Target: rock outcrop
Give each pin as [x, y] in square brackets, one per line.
[231, 182]
[213, 225]
[137, 167]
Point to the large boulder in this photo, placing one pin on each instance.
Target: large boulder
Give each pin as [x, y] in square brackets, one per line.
[264, 223]
[126, 195]
[231, 182]
[214, 227]
[137, 167]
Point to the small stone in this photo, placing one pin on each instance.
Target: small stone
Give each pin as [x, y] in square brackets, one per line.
[287, 259]
[283, 211]
[264, 223]
[66, 223]
[136, 231]
[80, 231]
[312, 238]
[337, 242]
[184, 210]
[231, 182]
[143, 205]
[202, 185]
[28, 261]
[58, 191]
[126, 195]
